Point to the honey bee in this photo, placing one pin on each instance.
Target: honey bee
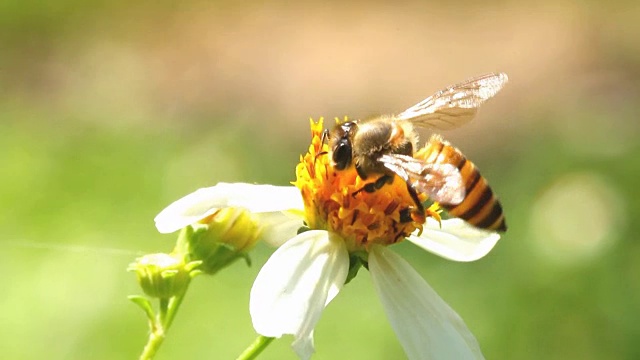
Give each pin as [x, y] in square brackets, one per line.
[385, 147]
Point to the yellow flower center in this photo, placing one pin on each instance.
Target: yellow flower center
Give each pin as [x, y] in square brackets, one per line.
[379, 217]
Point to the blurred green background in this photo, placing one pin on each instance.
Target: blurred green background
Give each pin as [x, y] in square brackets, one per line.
[109, 111]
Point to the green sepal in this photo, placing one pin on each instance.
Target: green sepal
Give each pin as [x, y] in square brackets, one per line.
[214, 256]
[195, 273]
[219, 241]
[356, 261]
[192, 266]
[247, 258]
[182, 244]
[302, 229]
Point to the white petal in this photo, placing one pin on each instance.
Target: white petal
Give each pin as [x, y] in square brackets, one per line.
[456, 240]
[279, 227]
[204, 202]
[294, 286]
[303, 345]
[425, 325]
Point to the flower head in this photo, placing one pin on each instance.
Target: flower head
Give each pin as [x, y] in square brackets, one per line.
[330, 204]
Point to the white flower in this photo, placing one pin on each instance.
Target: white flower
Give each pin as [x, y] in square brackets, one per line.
[307, 272]
[279, 207]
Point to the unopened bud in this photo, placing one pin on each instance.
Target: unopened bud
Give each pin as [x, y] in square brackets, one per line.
[162, 275]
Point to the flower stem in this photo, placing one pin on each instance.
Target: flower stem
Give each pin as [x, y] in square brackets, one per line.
[153, 344]
[160, 324]
[258, 345]
[172, 308]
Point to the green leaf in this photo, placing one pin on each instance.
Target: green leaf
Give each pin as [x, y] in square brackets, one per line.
[144, 304]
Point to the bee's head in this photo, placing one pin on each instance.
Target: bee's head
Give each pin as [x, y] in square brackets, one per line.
[340, 144]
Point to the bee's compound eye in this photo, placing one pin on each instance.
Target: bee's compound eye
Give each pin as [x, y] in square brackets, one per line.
[342, 154]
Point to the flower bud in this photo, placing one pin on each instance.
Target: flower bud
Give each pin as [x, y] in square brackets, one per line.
[162, 275]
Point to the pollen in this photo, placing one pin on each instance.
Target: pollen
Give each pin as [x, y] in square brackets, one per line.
[380, 217]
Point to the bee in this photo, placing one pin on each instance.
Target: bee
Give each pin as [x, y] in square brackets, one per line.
[385, 147]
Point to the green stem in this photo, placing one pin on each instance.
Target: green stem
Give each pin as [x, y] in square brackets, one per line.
[160, 325]
[174, 305]
[260, 343]
[153, 344]
[164, 305]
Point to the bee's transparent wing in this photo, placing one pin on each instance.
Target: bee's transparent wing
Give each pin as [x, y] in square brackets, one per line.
[441, 182]
[455, 105]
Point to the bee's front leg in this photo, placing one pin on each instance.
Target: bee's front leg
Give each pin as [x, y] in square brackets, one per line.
[373, 186]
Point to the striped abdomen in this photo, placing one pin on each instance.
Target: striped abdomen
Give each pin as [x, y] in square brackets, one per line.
[480, 206]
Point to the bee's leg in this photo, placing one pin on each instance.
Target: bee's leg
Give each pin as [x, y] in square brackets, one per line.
[414, 196]
[417, 214]
[373, 186]
[405, 215]
[360, 172]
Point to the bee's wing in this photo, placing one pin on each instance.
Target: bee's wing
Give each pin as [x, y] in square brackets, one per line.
[455, 105]
[442, 182]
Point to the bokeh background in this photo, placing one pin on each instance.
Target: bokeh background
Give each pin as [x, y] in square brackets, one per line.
[110, 110]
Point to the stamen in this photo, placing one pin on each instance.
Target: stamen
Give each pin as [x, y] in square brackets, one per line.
[393, 205]
[434, 211]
